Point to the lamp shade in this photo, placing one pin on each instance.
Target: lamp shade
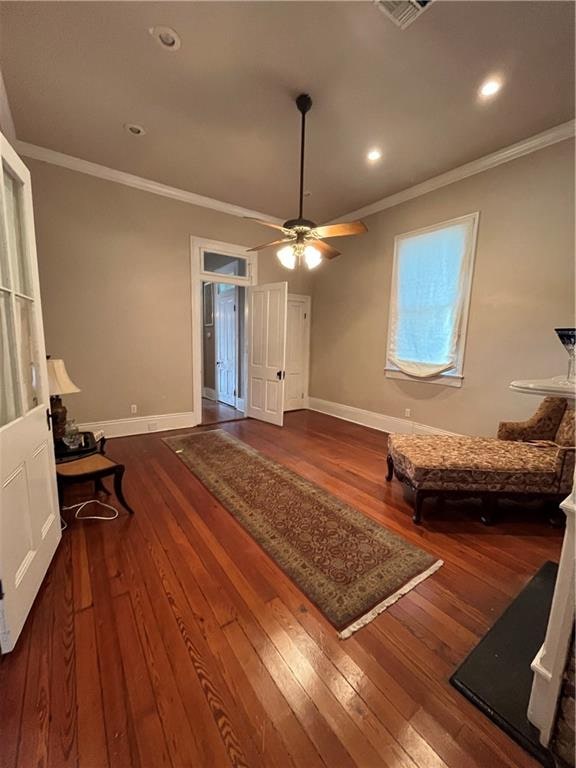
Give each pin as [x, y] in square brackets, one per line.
[59, 383]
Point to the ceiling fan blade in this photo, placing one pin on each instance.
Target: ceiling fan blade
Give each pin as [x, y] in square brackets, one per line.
[267, 223]
[267, 245]
[326, 250]
[340, 230]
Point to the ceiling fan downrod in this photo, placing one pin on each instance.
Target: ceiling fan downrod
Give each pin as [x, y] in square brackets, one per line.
[304, 103]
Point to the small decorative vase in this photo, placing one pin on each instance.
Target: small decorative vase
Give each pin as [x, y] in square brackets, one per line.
[72, 438]
[568, 338]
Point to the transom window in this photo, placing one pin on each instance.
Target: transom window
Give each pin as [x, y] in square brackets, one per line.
[224, 264]
[431, 287]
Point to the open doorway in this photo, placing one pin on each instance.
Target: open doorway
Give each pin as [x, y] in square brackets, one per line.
[268, 375]
[223, 352]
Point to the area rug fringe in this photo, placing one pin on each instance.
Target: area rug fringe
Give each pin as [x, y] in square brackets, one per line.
[381, 607]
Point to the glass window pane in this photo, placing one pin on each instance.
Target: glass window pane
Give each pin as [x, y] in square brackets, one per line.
[4, 277]
[14, 220]
[224, 265]
[9, 398]
[428, 291]
[29, 369]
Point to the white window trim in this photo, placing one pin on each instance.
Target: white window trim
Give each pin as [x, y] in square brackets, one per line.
[455, 376]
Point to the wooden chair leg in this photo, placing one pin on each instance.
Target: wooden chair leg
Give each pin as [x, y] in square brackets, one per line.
[556, 516]
[390, 462]
[417, 517]
[100, 487]
[489, 508]
[118, 475]
[60, 487]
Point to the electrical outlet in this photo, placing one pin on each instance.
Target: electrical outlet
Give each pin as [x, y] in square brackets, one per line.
[152, 426]
[133, 409]
[407, 412]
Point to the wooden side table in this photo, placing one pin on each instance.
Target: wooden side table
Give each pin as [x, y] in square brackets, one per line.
[94, 467]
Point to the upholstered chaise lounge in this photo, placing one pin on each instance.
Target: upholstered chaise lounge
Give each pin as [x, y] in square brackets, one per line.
[527, 460]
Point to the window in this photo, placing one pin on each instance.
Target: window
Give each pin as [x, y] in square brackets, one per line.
[431, 285]
[223, 264]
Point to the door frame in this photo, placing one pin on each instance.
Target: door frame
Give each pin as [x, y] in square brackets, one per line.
[307, 301]
[198, 245]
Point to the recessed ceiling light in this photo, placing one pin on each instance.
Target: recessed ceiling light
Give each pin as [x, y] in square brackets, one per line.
[134, 130]
[166, 37]
[490, 88]
[374, 155]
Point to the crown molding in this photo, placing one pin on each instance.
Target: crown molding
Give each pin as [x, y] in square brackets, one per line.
[486, 163]
[513, 152]
[6, 121]
[72, 163]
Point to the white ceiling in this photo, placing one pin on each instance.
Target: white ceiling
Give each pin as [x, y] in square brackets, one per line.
[219, 115]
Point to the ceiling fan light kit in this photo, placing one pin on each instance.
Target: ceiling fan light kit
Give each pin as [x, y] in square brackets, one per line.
[303, 239]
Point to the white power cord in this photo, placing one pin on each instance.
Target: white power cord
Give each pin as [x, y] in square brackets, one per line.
[80, 507]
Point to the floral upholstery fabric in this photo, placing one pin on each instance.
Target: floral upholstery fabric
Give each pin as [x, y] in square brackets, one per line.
[565, 433]
[543, 425]
[565, 437]
[436, 462]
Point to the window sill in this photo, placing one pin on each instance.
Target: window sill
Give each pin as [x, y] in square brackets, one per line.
[444, 379]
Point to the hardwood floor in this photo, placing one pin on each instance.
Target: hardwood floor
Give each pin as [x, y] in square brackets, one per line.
[214, 412]
[171, 639]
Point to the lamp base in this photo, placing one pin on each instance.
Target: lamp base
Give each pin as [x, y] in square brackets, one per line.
[59, 414]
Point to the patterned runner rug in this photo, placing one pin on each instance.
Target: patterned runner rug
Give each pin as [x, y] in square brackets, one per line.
[348, 565]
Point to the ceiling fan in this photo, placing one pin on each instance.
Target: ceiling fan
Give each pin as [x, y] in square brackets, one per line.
[305, 240]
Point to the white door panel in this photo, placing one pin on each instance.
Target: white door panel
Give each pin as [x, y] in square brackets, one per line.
[297, 352]
[267, 352]
[29, 514]
[226, 344]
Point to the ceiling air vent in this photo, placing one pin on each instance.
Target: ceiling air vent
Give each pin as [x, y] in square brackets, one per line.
[403, 12]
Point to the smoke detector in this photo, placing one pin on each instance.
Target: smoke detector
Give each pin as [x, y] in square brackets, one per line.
[403, 12]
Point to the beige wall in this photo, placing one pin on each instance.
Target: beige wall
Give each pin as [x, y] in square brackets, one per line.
[115, 277]
[115, 280]
[523, 287]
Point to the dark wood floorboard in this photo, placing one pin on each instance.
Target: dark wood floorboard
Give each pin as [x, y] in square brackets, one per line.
[171, 639]
[214, 412]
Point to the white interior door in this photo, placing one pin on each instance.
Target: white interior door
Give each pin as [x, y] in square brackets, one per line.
[29, 514]
[267, 352]
[226, 343]
[297, 352]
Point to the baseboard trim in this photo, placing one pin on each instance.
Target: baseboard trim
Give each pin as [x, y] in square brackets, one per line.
[141, 424]
[209, 393]
[379, 421]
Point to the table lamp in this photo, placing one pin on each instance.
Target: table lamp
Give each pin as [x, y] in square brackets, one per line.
[59, 383]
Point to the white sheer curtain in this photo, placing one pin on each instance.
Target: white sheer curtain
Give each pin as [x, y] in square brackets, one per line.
[431, 278]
